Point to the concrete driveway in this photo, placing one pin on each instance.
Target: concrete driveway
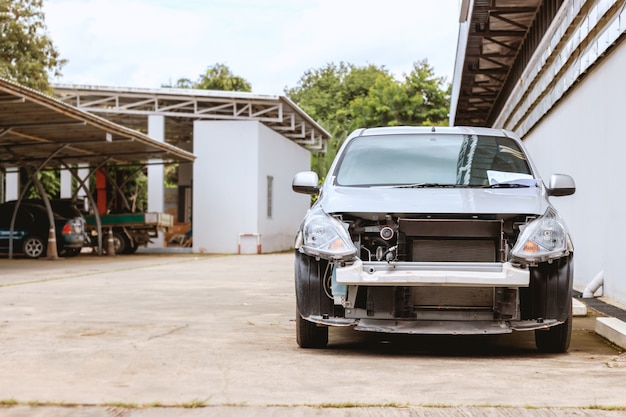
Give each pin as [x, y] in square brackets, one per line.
[152, 335]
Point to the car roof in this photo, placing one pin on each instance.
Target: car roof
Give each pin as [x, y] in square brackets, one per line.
[35, 209]
[461, 130]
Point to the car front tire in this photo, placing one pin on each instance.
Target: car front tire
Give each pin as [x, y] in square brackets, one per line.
[33, 247]
[557, 338]
[310, 335]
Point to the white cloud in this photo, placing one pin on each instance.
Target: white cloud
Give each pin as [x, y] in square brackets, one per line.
[271, 43]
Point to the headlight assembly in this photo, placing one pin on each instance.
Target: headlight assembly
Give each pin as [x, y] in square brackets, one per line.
[543, 239]
[325, 237]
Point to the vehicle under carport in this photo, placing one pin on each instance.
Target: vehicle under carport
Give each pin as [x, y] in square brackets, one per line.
[40, 132]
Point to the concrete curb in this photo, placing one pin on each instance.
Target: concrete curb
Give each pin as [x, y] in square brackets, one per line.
[612, 329]
[579, 309]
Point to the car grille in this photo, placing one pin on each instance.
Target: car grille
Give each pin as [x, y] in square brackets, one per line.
[435, 240]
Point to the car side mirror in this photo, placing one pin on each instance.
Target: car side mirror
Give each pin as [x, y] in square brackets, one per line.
[561, 185]
[305, 183]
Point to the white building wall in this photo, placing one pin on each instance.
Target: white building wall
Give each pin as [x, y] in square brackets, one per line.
[583, 136]
[230, 173]
[281, 159]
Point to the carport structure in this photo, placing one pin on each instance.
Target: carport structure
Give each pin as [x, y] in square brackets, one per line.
[38, 131]
[248, 146]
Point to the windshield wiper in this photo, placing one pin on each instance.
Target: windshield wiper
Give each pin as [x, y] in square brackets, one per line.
[426, 185]
[506, 185]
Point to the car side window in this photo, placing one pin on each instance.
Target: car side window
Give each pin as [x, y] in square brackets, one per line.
[23, 218]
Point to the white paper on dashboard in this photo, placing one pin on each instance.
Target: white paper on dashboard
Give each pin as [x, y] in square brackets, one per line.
[502, 177]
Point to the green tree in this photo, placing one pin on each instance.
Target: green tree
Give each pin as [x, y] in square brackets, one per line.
[345, 97]
[423, 99]
[27, 55]
[430, 95]
[387, 104]
[50, 179]
[326, 93]
[216, 77]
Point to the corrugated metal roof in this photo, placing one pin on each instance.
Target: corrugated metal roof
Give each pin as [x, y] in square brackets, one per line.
[35, 128]
[181, 107]
[501, 36]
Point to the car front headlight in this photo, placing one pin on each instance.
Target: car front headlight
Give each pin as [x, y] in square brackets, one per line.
[543, 239]
[325, 237]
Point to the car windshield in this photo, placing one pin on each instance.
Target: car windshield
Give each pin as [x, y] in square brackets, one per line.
[433, 160]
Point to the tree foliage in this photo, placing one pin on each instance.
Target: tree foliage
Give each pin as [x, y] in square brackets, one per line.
[48, 178]
[27, 55]
[345, 97]
[216, 77]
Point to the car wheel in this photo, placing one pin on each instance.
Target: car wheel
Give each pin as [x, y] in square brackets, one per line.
[310, 335]
[120, 242]
[33, 247]
[131, 247]
[557, 338]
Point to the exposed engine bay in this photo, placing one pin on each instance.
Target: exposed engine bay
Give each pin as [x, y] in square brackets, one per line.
[486, 238]
[429, 240]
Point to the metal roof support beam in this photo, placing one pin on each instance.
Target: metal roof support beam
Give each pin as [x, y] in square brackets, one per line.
[72, 143]
[138, 104]
[12, 100]
[502, 44]
[514, 10]
[501, 33]
[44, 124]
[498, 15]
[4, 131]
[88, 104]
[495, 62]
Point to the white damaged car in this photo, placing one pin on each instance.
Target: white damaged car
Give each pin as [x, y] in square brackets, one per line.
[434, 230]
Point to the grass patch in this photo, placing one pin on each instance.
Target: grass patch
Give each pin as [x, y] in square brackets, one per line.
[9, 402]
[193, 404]
[606, 407]
[358, 405]
[119, 404]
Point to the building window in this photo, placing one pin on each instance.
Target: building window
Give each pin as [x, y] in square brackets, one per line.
[270, 182]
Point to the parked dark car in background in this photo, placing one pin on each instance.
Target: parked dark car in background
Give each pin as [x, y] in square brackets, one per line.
[31, 230]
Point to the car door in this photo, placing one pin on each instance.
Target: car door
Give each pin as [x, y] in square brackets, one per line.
[22, 222]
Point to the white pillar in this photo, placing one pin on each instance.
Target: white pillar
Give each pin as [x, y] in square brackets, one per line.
[185, 175]
[156, 130]
[12, 181]
[66, 183]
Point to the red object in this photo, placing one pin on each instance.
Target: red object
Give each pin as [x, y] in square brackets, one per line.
[101, 190]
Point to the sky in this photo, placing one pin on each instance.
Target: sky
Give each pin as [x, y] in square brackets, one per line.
[270, 43]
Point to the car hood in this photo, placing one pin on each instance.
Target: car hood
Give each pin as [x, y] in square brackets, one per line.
[530, 200]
